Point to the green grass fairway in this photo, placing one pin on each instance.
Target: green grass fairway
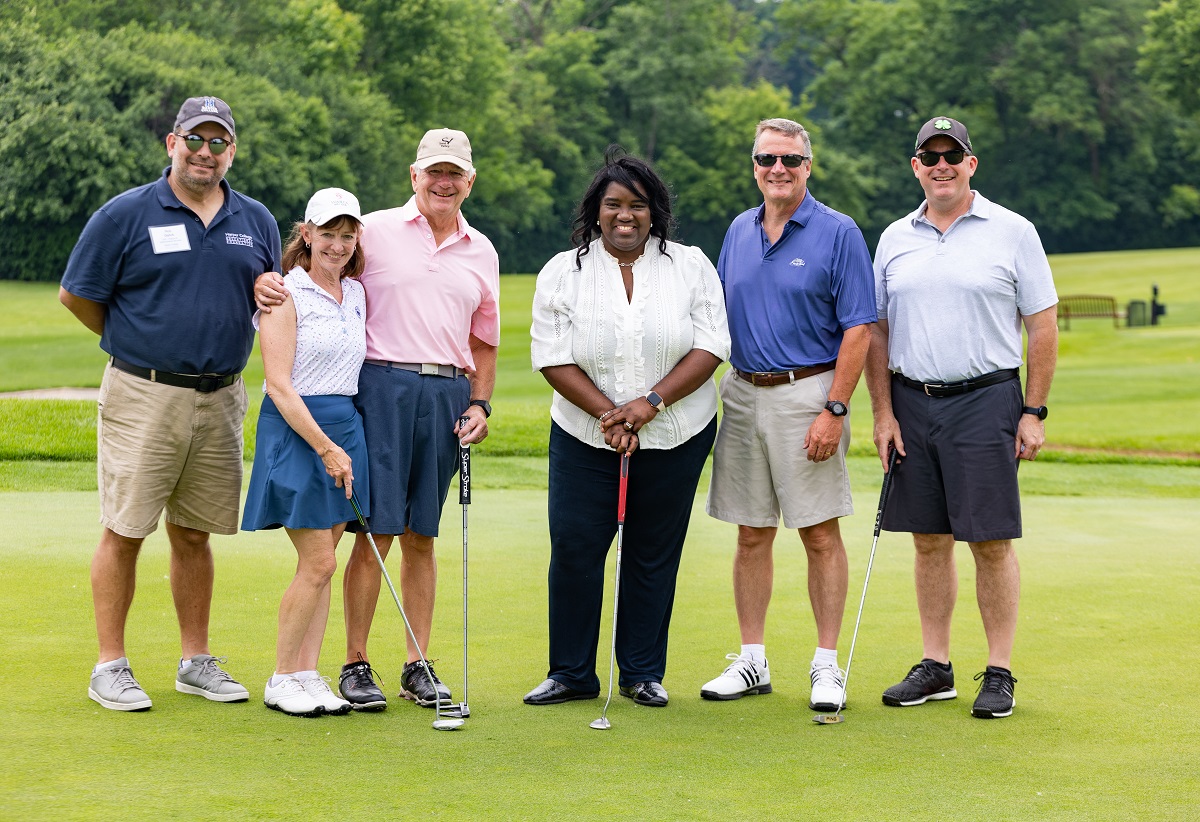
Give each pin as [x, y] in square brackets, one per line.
[1106, 727]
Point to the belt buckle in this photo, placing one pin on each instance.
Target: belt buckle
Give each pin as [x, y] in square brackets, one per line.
[430, 368]
[208, 383]
[935, 387]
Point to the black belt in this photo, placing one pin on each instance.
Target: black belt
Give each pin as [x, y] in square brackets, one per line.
[204, 383]
[950, 389]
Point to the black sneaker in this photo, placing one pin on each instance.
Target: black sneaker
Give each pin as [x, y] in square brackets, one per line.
[415, 685]
[927, 680]
[995, 698]
[357, 686]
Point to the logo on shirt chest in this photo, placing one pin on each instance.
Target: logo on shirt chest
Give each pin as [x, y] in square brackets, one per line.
[798, 262]
[239, 239]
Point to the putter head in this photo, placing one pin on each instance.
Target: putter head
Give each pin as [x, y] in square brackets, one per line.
[448, 724]
[601, 724]
[828, 719]
[455, 711]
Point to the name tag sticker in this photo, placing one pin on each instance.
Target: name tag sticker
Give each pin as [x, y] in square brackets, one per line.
[167, 239]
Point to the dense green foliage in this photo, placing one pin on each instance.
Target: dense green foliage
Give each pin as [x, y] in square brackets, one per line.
[1085, 112]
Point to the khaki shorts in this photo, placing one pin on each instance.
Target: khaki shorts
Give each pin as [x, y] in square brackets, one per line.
[159, 446]
[760, 466]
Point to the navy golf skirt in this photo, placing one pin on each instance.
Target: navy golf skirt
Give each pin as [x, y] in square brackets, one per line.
[288, 483]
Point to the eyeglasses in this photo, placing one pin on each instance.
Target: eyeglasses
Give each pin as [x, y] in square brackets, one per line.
[195, 142]
[788, 160]
[929, 159]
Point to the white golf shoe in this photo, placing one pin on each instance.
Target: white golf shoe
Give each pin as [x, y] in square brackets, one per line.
[744, 677]
[318, 688]
[290, 696]
[827, 684]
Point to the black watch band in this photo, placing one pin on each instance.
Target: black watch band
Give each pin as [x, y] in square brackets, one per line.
[485, 405]
[838, 409]
[1039, 411]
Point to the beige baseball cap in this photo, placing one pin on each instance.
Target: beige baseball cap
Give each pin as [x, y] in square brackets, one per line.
[444, 145]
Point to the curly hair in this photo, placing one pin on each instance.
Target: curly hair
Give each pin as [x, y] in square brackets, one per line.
[637, 176]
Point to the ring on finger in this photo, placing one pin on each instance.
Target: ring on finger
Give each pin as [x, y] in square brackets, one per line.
[628, 425]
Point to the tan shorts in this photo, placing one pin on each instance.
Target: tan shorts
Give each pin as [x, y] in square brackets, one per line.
[159, 447]
[760, 466]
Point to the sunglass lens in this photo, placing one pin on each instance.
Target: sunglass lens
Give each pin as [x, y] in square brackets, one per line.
[217, 146]
[788, 160]
[931, 158]
[193, 142]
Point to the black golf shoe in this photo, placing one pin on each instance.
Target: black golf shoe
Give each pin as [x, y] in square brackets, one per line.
[553, 692]
[927, 680]
[649, 693]
[995, 698]
[357, 686]
[415, 685]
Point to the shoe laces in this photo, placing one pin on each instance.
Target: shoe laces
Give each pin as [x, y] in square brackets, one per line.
[420, 670]
[209, 668]
[741, 662]
[829, 675]
[922, 673]
[362, 670]
[995, 681]
[292, 686]
[123, 679]
[317, 686]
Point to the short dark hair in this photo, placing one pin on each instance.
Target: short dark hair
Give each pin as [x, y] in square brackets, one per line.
[634, 174]
[296, 253]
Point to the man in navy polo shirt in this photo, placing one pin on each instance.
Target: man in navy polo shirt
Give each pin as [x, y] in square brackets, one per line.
[800, 296]
[164, 273]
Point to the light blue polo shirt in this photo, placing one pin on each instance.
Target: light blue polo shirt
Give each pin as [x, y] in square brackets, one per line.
[179, 294]
[790, 303]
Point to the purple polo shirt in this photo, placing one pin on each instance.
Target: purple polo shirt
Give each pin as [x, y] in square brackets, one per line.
[789, 303]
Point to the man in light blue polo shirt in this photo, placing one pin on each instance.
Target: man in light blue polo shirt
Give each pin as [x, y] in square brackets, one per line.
[164, 273]
[955, 282]
[800, 298]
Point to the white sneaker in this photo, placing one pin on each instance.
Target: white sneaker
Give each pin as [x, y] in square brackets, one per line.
[744, 677]
[291, 697]
[318, 688]
[827, 684]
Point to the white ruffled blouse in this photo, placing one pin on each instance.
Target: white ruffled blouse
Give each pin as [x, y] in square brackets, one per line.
[582, 316]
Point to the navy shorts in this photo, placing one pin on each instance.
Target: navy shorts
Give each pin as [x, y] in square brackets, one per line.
[409, 419]
[959, 476]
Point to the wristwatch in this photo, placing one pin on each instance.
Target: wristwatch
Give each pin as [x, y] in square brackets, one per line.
[654, 399]
[485, 405]
[1040, 411]
[838, 409]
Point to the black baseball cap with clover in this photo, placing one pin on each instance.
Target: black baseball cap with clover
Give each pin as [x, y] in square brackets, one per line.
[947, 126]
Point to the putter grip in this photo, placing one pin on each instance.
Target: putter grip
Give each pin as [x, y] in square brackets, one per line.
[885, 490]
[464, 468]
[624, 487]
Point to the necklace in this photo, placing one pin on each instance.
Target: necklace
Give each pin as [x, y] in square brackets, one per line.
[632, 264]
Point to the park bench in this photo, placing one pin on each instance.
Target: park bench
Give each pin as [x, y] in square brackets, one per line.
[1086, 306]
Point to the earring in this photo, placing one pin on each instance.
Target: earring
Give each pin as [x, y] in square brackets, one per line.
[307, 246]
[597, 222]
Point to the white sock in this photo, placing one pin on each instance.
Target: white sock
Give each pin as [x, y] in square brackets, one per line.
[120, 662]
[184, 664]
[758, 653]
[277, 679]
[825, 658]
[303, 675]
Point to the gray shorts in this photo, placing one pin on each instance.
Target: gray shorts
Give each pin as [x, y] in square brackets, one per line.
[959, 476]
[760, 466]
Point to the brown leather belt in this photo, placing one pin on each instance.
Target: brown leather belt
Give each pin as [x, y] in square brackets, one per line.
[766, 379]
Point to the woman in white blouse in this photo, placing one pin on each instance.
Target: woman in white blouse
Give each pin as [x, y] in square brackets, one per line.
[628, 329]
[310, 447]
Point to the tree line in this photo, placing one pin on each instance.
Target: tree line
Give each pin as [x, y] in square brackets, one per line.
[1085, 113]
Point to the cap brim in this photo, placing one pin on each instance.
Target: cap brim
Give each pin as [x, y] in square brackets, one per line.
[187, 125]
[957, 141]
[325, 218]
[443, 158]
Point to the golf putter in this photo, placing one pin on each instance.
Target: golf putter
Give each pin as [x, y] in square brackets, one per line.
[440, 724]
[827, 719]
[461, 709]
[602, 724]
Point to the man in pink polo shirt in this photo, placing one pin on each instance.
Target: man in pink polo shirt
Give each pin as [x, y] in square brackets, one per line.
[433, 327]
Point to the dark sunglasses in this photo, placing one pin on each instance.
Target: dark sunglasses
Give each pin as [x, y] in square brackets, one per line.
[195, 142]
[788, 160]
[929, 159]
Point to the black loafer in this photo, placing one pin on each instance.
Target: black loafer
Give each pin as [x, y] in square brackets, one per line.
[649, 693]
[552, 692]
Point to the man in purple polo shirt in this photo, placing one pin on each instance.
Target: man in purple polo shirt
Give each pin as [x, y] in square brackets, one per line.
[800, 295]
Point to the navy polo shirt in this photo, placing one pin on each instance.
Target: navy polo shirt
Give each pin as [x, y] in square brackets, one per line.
[179, 294]
[789, 303]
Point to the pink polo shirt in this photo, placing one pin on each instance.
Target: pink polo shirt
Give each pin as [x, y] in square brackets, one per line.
[423, 301]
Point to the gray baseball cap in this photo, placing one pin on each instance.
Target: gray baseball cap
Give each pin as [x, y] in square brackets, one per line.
[947, 126]
[197, 110]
